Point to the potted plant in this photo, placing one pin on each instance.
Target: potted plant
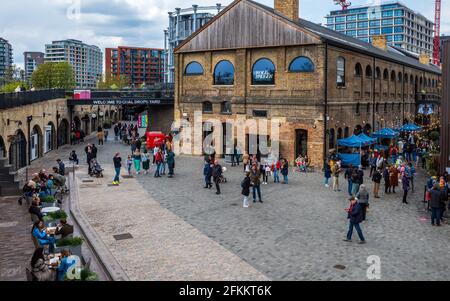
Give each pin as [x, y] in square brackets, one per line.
[54, 218]
[48, 201]
[73, 244]
[88, 275]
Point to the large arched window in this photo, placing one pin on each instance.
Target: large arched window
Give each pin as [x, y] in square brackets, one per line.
[386, 74]
[207, 107]
[358, 69]
[393, 76]
[377, 73]
[263, 72]
[301, 64]
[340, 70]
[400, 77]
[224, 73]
[194, 68]
[368, 71]
[225, 107]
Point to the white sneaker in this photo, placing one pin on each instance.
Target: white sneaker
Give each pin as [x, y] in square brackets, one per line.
[327, 186]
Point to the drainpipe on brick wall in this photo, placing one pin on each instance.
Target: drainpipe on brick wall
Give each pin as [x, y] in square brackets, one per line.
[373, 94]
[403, 93]
[325, 105]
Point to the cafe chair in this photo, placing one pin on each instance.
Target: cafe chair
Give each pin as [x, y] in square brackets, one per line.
[28, 274]
[38, 245]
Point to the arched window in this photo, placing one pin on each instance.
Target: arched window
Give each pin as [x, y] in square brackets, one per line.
[385, 107]
[358, 70]
[358, 130]
[386, 74]
[332, 139]
[368, 108]
[411, 79]
[378, 73]
[357, 108]
[429, 82]
[400, 77]
[301, 64]
[393, 76]
[421, 82]
[2, 148]
[207, 107]
[406, 78]
[346, 132]
[225, 107]
[377, 108]
[263, 72]
[368, 71]
[339, 133]
[224, 73]
[393, 107]
[194, 68]
[340, 68]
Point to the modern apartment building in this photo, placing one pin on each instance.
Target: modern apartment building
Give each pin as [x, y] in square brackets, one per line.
[403, 27]
[32, 60]
[183, 23]
[139, 65]
[6, 57]
[86, 60]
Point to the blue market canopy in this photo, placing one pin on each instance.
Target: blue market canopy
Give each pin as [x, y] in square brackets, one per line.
[410, 127]
[369, 140]
[354, 141]
[386, 133]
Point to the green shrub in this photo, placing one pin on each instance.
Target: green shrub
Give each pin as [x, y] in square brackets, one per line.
[57, 215]
[48, 199]
[88, 275]
[69, 242]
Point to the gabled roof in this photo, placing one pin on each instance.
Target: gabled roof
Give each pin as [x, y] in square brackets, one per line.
[330, 37]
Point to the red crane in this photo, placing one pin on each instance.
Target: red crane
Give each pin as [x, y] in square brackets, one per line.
[437, 34]
[343, 3]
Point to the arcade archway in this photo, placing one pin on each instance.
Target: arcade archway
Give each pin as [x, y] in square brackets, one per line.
[18, 151]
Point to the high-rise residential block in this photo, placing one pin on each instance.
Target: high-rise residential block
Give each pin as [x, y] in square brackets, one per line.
[32, 60]
[6, 57]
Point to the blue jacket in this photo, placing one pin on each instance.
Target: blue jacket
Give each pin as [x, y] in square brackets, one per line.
[41, 236]
[356, 216]
[63, 267]
[207, 170]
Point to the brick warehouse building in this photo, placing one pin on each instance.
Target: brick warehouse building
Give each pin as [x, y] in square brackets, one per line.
[254, 61]
[139, 65]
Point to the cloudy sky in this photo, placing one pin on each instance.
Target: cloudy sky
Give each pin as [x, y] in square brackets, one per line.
[30, 24]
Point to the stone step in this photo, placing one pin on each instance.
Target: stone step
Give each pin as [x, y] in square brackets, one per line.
[3, 162]
[10, 188]
[7, 177]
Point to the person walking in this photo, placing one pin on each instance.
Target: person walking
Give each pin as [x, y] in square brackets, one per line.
[373, 164]
[363, 199]
[129, 164]
[393, 178]
[376, 179]
[100, 136]
[145, 161]
[207, 173]
[245, 160]
[116, 132]
[386, 177]
[436, 204]
[171, 163]
[327, 173]
[158, 159]
[89, 156]
[117, 160]
[217, 173]
[285, 171]
[335, 171]
[276, 171]
[245, 184]
[405, 186]
[355, 215]
[137, 159]
[255, 178]
[348, 175]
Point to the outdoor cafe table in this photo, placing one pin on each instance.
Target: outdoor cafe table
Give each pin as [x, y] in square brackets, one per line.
[50, 210]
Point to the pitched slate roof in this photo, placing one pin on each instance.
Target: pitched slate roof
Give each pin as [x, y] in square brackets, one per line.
[338, 39]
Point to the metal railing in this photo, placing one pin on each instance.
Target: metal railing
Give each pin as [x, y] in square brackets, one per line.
[17, 99]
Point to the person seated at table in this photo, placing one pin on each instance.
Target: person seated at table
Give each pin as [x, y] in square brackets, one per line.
[73, 158]
[65, 264]
[35, 209]
[64, 229]
[59, 180]
[39, 269]
[43, 175]
[40, 233]
[47, 186]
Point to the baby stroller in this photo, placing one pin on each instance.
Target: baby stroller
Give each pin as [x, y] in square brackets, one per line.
[96, 169]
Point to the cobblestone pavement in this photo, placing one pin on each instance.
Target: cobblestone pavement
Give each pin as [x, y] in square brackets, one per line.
[296, 234]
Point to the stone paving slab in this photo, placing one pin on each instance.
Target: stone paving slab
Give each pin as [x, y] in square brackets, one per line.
[164, 247]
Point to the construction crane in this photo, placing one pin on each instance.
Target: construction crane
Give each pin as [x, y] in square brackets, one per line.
[437, 34]
[343, 3]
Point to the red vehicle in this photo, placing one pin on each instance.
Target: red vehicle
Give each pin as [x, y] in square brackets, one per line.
[155, 139]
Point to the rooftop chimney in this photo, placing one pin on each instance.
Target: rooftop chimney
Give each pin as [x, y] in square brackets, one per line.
[380, 41]
[288, 8]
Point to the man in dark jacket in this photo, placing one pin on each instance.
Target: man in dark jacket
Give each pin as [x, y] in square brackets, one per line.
[207, 172]
[217, 173]
[255, 179]
[64, 229]
[348, 175]
[436, 204]
[355, 215]
[246, 183]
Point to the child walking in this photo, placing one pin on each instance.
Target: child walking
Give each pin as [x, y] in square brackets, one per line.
[129, 164]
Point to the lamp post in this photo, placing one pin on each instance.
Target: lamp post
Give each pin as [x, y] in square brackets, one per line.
[29, 119]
